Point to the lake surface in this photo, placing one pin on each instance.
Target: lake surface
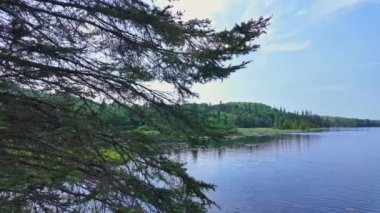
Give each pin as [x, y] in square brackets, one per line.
[334, 171]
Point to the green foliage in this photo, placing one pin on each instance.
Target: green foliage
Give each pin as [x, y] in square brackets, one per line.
[3, 117]
[224, 118]
[349, 122]
[256, 115]
[80, 150]
[63, 151]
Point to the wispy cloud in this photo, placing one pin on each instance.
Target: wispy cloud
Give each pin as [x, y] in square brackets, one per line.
[331, 7]
[280, 37]
[255, 9]
[328, 89]
[300, 12]
[223, 13]
[290, 46]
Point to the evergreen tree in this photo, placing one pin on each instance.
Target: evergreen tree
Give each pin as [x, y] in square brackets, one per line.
[59, 57]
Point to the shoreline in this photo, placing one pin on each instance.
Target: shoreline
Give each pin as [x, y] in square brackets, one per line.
[250, 131]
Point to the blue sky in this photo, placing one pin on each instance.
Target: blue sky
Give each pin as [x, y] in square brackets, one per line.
[321, 55]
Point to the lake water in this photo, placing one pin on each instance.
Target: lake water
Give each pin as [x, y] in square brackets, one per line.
[334, 171]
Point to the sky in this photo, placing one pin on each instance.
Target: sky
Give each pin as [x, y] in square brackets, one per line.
[320, 55]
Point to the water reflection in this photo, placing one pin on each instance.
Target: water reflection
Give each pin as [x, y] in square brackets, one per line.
[274, 144]
[333, 171]
[194, 154]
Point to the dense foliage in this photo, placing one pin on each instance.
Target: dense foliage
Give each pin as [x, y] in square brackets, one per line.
[226, 116]
[253, 115]
[60, 58]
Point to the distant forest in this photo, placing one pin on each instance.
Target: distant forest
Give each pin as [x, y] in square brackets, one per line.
[243, 115]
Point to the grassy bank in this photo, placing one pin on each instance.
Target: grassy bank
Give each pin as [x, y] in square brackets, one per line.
[273, 130]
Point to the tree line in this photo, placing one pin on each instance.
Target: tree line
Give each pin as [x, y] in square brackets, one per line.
[226, 116]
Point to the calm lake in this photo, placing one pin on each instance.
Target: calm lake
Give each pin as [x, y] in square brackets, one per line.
[333, 171]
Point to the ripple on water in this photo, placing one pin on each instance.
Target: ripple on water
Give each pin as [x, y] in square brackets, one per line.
[319, 172]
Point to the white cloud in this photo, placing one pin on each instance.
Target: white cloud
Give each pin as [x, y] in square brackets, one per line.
[201, 8]
[219, 10]
[160, 86]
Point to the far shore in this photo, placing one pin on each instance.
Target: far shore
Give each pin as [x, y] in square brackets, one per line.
[248, 131]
